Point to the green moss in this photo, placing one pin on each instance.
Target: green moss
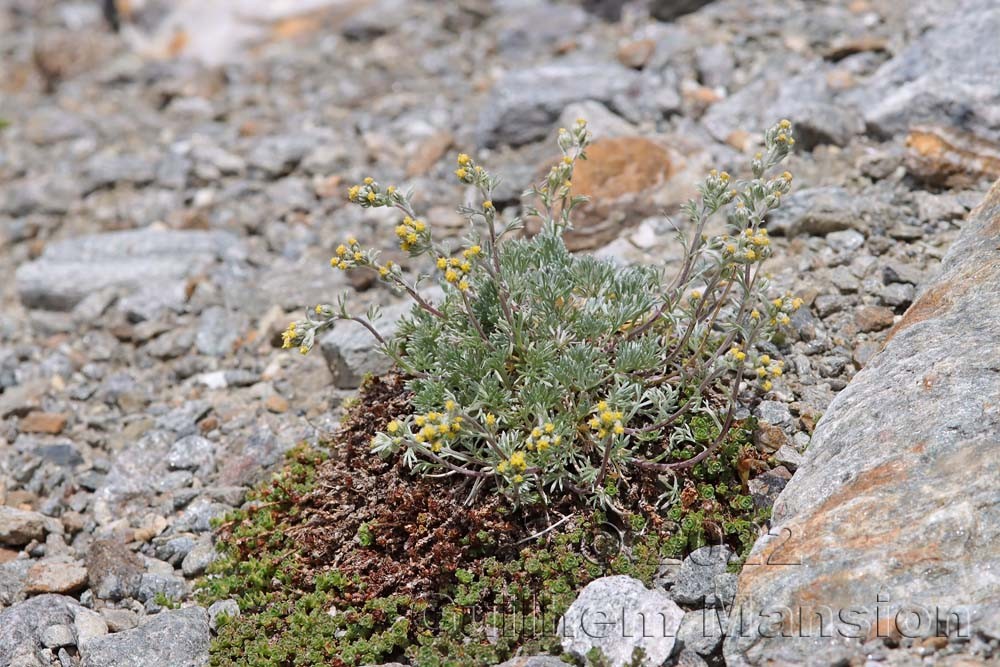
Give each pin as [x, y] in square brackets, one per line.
[500, 603]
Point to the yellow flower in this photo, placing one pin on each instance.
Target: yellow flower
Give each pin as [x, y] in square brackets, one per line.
[451, 275]
[581, 121]
[454, 261]
[724, 177]
[607, 417]
[594, 423]
[543, 444]
[536, 432]
[502, 467]
[420, 420]
[473, 251]
[777, 302]
[619, 428]
[776, 371]
[463, 159]
[393, 426]
[784, 123]
[490, 419]
[761, 372]
[755, 314]
[784, 319]
[411, 238]
[352, 241]
[465, 266]
[358, 256]
[334, 262]
[371, 196]
[463, 285]
[456, 427]
[567, 159]
[436, 447]
[419, 225]
[556, 440]
[602, 406]
[740, 356]
[341, 250]
[449, 405]
[369, 180]
[442, 263]
[303, 350]
[797, 303]
[488, 204]
[517, 461]
[602, 433]
[518, 479]
[787, 175]
[695, 295]
[765, 359]
[751, 255]
[730, 248]
[767, 385]
[383, 271]
[352, 193]
[401, 231]
[549, 427]
[461, 173]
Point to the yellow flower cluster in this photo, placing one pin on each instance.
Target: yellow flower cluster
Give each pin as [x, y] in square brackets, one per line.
[783, 305]
[468, 171]
[752, 245]
[456, 270]
[434, 428]
[736, 352]
[543, 437]
[783, 137]
[606, 421]
[517, 463]
[768, 367]
[412, 234]
[369, 194]
[349, 255]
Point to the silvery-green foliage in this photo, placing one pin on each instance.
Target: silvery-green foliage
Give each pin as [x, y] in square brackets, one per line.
[542, 372]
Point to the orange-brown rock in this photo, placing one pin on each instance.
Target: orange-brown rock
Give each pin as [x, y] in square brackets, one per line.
[620, 176]
[948, 157]
[43, 422]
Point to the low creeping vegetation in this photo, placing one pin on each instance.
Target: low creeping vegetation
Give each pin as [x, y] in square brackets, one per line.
[542, 373]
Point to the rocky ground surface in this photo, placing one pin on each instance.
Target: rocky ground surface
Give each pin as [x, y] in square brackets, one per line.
[162, 220]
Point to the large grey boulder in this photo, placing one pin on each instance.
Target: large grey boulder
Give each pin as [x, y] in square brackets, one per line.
[948, 76]
[524, 104]
[621, 618]
[144, 264]
[29, 626]
[176, 638]
[892, 524]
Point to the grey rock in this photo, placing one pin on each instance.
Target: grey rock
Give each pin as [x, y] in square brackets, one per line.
[519, 33]
[894, 504]
[152, 262]
[943, 77]
[218, 329]
[23, 627]
[688, 658]
[773, 412]
[617, 615]
[788, 457]
[524, 104]
[56, 636]
[13, 580]
[229, 608]
[668, 10]
[897, 294]
[601, 121]
[151, 585]
[197, 517]
[192, 452]
[374, 19]
[847, 240]
[277, 155]
[715, 65]
[702, 631]
[114, 571]
[826, 123]
[695, 583]
[844, 280]
[818, 211]
[18, 527]
[351, 351]
[176, 638]
[111, 168]
[198, 559]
